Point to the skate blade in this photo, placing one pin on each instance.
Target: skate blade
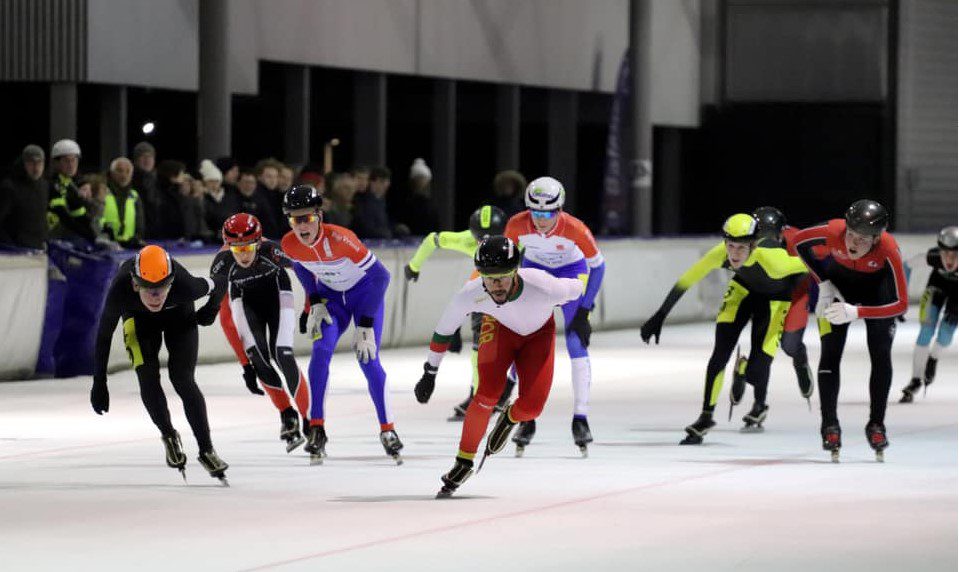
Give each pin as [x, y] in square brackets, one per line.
[224, 482]
[479, 468]
[520, 450]
[291, 445]
[584, 451]
[317, 459]
[809, 403]
[398, 458]
[444, 493]
[834, 456]
[752, 429]
[183, 474]
[456, 418]
[880, 457]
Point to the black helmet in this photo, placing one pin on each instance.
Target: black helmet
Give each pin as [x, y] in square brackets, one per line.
[947, 238]
[496, 256]
[302, 197]
[771, 222]
[487, 221]
[867, 217]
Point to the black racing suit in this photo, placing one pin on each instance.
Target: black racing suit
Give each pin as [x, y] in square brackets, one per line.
[144, 332]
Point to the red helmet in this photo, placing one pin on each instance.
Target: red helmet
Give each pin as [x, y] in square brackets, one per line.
[241, 228]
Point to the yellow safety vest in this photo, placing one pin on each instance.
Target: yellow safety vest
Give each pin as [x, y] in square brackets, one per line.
[125, 229]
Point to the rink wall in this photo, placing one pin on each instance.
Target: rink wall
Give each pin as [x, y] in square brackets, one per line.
[639, 274]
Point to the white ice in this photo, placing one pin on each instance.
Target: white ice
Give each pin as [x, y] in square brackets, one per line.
[82, 492]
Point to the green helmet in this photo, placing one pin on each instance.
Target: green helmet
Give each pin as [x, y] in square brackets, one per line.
[740, 227]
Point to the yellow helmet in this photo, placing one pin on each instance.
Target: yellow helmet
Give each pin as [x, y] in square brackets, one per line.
[740, 227]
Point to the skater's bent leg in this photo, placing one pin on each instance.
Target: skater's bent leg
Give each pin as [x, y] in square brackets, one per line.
[879, 337]
[376, 379]
[283, 355]
[495, 357]
[833, 340]
[767, 319]
[729, 323]
[143, 346]
[534, 365]
[319, 368]
[181, 343]
[579, 362]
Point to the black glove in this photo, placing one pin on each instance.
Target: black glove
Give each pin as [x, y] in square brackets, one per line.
[411, 275]
[456, 342]
[207, 314]
[901, 318]
[426, 384]
[304, 316]
[249, 376]
[652, 327]
[100, 396]
[581, 327]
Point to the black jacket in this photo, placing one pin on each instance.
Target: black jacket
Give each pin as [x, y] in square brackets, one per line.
[23, 209]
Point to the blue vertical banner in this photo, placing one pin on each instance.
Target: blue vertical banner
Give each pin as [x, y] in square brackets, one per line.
[616, 211]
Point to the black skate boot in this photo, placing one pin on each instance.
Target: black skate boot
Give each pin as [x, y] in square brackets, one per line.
[290, 429]
[699, 428]
[316, 444]
[175, 459]
[909, 392]
[462, 470]
[524, 434]
[805, 379]
[754, 419]
[392, 445]
[459, 411]
[498, 436]
[876, 435]
[832, 441]
[504, 397]
[930, 374]
[738, 386]
[582, 435]
[214, 465]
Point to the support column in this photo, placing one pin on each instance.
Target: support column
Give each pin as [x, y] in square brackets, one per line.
[369, 139]
[214, 97]
[507, 127]
[562, 114]
[641, 129]
[444, 150]
[296, 144]
[63, 112]
[113, 123]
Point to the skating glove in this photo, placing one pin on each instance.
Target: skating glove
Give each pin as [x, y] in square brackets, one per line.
[411, 275]
[456, 342]
[364, 344]
[206, 315]
[652, 327]
[827, 295]
[249, 376]
[841, 313]
[581, 327]
[100, 396]
[426, 384]
[318, 315]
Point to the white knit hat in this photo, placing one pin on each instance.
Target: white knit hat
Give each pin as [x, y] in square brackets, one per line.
[419, 169]
[65, 147]
[209, 172]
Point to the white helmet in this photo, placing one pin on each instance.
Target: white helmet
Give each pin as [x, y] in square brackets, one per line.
[65, 147]
[545, 194]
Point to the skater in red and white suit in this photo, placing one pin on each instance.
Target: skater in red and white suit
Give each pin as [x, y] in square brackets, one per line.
[517, 328]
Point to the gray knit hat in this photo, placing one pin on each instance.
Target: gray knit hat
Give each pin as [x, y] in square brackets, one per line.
[33, 153]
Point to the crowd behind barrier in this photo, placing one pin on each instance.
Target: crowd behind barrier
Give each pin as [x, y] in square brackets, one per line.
[51, 301]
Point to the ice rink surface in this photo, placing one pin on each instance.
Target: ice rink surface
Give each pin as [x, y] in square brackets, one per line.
[82, 492]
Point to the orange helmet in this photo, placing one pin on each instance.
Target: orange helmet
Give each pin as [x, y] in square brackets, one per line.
[153, 267]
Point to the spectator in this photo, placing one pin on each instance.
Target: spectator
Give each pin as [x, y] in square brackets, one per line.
[231, 172]
[172, 181]
[370, 219]
[255, 204]
[267, 176]
[23, 201]
[361, 175]
[123, 216]
[145, 182]
[508, 190]
[68, 217]
[218, 204]
[193, 210]
[94, 189]
[284, 178]
[339, 208]
[419, 212]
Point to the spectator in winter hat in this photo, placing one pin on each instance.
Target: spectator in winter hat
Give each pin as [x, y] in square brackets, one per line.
[218, 204]
[419, 211]
[68, 217]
